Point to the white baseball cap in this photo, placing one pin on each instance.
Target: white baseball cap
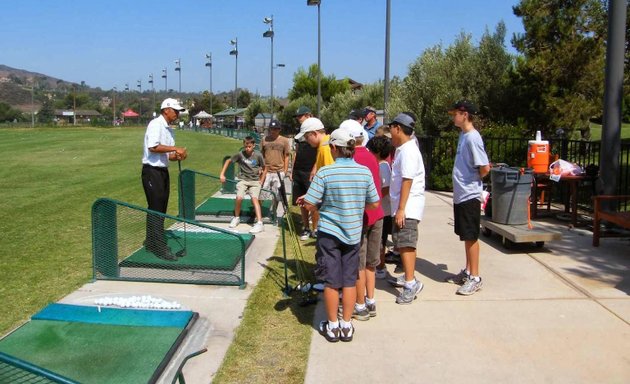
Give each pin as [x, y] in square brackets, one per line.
[172, 103]
[341, 138]
[354, 128]
[309, 125]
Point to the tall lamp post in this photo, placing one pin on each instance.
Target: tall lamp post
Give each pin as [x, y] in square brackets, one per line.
[319, 54]
[269, 33]
[209, 65]
[140, 98]
[234, 52]
[388, 15]
[152, 90]
[178, 68]
[165, 79]
[114, 105]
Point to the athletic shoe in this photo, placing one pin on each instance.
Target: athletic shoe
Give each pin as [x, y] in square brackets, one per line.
[381, 273]
[458, 279]
[257, 228]
[331, 335]
[470, 286]
[399, 268]
[346, 334]
[161, 251]
[235, 221]
[408, 295]
[397, 281]
[361, 315]
[314, 234]
[305, 235]
[371, 309]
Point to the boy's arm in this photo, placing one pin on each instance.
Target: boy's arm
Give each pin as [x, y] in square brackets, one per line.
[404, 195]
[263, 174]
[484, 170]
[225, 166]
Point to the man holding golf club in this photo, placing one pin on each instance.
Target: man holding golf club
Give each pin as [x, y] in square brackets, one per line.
[159, 149]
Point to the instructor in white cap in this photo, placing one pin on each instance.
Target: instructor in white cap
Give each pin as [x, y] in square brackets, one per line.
[159, 148]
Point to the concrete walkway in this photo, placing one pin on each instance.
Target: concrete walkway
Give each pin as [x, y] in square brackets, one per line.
[557, 314]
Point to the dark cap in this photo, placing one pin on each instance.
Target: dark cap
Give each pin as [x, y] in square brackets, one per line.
[356, 114]
[274, 124]
[303, 110]
[403, 119]
[367, 110]
[464, 106]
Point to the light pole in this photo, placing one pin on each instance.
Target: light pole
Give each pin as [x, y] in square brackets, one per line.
[235, 53]
[274, 67]
[165, 80]
[114, 105]
[32, 105]
[178, 68]
[140, 98]
[388, 15]
[319, 54]
[74, 104]
[209, 65]
[269, 33]
[152, 90]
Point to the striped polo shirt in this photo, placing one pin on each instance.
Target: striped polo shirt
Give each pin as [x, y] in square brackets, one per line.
[341, 190]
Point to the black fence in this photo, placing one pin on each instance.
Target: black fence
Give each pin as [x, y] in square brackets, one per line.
[439, 155]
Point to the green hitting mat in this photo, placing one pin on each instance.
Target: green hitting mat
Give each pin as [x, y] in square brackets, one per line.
[225, 257]
[222, 209]
[88, 344]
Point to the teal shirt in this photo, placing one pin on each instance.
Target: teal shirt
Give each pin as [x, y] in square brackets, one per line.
[341, 191]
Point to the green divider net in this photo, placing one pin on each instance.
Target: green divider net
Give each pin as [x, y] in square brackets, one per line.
[105, 243]
[187, 195]
[229, 187]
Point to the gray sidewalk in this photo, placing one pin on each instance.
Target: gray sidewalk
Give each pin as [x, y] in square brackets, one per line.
[555, 314]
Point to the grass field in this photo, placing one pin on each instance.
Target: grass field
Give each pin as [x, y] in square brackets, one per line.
[596, 131]
[50, 178]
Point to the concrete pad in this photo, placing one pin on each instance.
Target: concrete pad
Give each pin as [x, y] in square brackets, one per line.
[525, 341]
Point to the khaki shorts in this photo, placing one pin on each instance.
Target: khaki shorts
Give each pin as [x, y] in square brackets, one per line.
[370, 253]
[250, 187]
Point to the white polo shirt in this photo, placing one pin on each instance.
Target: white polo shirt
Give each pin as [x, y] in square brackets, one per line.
[158, 132]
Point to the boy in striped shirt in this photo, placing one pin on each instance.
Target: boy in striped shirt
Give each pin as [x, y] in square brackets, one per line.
[340, 192]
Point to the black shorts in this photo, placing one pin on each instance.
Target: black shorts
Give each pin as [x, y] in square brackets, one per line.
[301, 182]
[337, 262]
[467, 219]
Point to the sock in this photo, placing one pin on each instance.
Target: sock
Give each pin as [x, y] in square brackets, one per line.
[333, 324]
[410, 284]
[344, 324]
[369, 301]
[476, 278]
[359, 307]
[467, 272]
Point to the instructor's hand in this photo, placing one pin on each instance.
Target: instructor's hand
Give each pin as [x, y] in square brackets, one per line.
[181, 153]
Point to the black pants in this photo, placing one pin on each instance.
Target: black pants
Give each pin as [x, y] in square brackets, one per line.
[156, 184]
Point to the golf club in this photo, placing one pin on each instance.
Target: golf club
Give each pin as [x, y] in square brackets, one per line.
[182, 252]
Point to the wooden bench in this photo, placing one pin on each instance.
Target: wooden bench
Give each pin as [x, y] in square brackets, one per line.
[621, 219]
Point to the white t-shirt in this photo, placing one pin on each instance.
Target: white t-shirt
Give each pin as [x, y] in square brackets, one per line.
[158, 132]
[408, 164]
[385, 174]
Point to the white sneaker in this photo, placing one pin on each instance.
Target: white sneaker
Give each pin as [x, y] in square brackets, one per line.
[235, 221]
[257, 228]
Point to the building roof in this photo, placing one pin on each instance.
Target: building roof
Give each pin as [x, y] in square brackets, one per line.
[231, 112]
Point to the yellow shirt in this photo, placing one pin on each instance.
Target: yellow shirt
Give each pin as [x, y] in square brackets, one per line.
[324, 157]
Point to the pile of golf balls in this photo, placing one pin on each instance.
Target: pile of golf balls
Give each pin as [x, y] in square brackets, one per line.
[143, 302]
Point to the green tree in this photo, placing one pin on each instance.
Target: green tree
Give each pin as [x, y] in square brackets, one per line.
[244, 98]
[305, 83]
[341, 104]
[257, 106]
[9, 114]
[46, 113]
[286, 116]
[559, 80]
[440, 76]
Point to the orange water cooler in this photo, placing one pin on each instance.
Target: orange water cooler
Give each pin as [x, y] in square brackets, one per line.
[538, 154]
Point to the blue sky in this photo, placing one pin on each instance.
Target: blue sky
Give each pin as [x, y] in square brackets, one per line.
[110, 43]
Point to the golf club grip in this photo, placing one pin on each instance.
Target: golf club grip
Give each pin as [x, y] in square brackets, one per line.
[283, 192]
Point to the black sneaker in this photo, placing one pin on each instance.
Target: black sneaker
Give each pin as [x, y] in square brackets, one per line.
[371, 308]
[362, 315]
[392, 258]
[161, 251]
[332, 335]
[346, 334]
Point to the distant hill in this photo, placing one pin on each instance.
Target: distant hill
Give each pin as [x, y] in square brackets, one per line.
[15, 86]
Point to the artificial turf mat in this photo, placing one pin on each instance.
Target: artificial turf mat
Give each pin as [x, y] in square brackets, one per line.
[219, 207]
[204, 250]
[95, 353]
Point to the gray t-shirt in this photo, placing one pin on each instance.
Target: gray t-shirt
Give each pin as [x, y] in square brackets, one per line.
[249, 167]
[471, 155]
